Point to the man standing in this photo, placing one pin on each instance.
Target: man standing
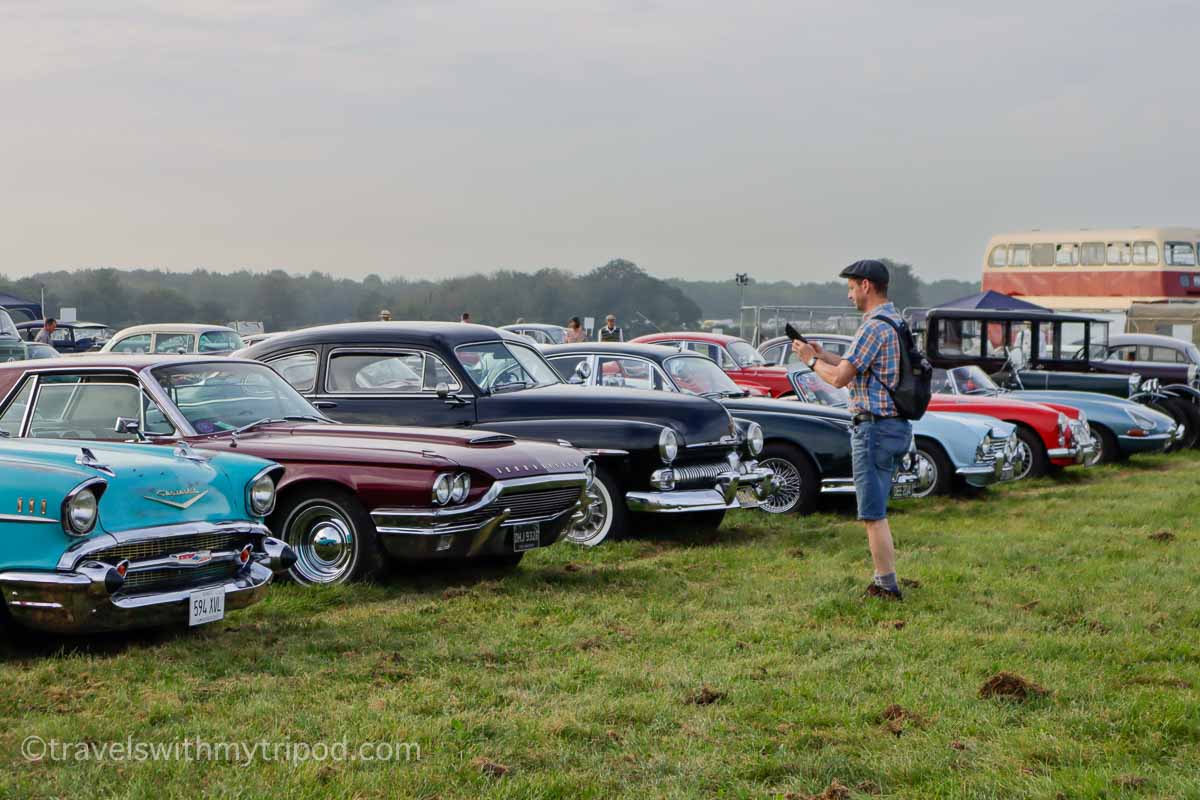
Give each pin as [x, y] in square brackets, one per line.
[610, 332]
[465, 318]
[47, 331]
[879, 437]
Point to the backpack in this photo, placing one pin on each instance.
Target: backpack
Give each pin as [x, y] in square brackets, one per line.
[915, 387]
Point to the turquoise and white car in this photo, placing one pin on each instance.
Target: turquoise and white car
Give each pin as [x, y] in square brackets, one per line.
[99, 536]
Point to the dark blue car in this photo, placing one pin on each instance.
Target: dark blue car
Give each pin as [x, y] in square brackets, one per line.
[70, 337]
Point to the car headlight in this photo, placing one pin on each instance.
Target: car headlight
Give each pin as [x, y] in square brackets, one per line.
[261, 495]
[1191, 373]
[442, 488]
[81, 508]
[589, 469]
[459, 488]
[754, 438]
[668, 445]
[1140, 420]
[1135, 380]
[1082, 418]
[983, 451]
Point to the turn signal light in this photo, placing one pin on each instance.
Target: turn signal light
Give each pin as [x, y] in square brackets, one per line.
[244, 555]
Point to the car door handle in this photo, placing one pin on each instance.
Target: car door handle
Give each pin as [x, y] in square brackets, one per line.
[324, 404]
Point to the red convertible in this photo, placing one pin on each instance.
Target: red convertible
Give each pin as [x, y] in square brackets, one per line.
[740, 361]
[352, 496]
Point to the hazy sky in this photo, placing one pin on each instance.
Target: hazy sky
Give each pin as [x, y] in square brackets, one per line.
[698, 139]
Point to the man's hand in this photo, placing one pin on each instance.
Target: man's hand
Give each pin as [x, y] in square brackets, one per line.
[804, 351]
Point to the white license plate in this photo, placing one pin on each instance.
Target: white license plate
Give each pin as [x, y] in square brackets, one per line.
[902, 490]
[206, 605]
[526, 537]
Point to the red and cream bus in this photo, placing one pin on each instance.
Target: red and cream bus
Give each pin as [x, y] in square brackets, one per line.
[1095, 269]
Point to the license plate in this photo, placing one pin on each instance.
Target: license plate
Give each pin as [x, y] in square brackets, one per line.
[902, 490]
[206, 605]
[526, 537]
[747, 498]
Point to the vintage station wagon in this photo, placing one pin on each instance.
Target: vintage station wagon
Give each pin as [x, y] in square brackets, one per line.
[102, 536]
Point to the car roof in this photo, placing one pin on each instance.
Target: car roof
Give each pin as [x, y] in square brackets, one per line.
[38, 323]
[1147, 338]
[164, 327]
[1007, 314]
[657, 352]
[841, 337]
[134, 361]
[540, 326]
[450, 334]
[696, 336]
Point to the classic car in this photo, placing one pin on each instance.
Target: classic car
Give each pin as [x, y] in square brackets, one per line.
[69, 337]
[808, 448]
[742, 362]
[538, 332]
[656, 453]
[211, 340]
[12, 347]
[352, 497]
[952, 450]
[102, 536]
[1150, 355]
[1046, 350]
[36, 350]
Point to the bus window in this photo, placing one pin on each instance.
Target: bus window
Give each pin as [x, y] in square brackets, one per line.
[1093, 254]
[1019, 256]
[1145, 253]
[1118, 253]
[959, 337]
[1179, 254]
[1043, 255]
[999, 256]
[1066, 255]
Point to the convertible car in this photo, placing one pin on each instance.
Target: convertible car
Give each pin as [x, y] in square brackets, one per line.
[807, 447]
[665, 456]
[103, 536]
[352, 497]
[740, 361]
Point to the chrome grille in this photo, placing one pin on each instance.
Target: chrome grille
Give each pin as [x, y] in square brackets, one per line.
[997, 449]
[699, 472]
[525, 507]
[157, 548]
[160, 579]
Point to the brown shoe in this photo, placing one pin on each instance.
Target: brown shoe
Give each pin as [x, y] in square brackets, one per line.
[875, 590]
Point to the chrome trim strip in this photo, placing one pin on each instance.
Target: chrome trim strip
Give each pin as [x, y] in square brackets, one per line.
[1153, 437]
[83, 548]
[562, 479]
[24, 518]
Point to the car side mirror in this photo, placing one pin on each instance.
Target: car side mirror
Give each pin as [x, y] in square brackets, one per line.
[442, 390]
[1016, 357]
[129, 425]
[583, 371]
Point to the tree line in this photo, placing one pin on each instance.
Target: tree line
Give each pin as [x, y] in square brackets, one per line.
[283, 301]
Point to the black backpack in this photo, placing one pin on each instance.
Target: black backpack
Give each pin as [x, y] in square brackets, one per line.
[915, 387]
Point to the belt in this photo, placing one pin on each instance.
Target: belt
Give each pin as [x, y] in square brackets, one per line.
[866, 416]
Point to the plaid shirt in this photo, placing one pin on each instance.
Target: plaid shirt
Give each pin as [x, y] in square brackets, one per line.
[875, 354]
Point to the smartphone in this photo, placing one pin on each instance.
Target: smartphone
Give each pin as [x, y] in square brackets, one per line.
[793, 334]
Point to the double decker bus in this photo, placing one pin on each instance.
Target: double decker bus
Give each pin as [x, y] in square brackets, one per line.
[1095, 270]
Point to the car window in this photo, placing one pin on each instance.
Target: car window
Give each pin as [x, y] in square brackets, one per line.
[631, 373]
[774, 354]
[1165, 355]
[835, 346]
[14, 412]
[75, 408]
[298, 369]
[565, 366]
[174, 342]
[139, 343]
[216, 397]
[436, 372]
[1127, 352]
[38, 350]
[700, 376]
[505, 366]
[219, 342]
[366, 373]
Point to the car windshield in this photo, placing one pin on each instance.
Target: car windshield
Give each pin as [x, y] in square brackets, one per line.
[225, 397]
[971, 380]
[505, 366]
[220, 342]
[97, 333]
[825, 393]
[699, 375]
[745, 355]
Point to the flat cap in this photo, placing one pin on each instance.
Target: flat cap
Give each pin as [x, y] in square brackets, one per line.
[870, 268]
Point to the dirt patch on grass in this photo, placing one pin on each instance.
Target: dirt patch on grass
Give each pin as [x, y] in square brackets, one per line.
[1030, 606]
[895, 716]
[1162, 536]
[1011, 686]
[897, 624]
[835, 791]
[1162, 683]
[1131, 781]
[489, 767]
[868, 787]
[571, 566]
[705, 696]
[796, 552]
[455, 591]
[910, 583]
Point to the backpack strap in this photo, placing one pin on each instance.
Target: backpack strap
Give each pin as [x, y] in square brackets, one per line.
[899, 346]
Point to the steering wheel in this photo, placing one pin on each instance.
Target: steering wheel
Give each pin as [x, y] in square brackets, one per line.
[508, 375]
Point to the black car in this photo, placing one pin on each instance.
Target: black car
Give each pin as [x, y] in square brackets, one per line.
[806, 446]
[70, 337]
[657, 453]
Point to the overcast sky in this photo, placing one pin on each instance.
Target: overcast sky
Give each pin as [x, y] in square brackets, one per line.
[698, 139]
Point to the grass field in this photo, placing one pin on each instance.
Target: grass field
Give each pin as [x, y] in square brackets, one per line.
[744, 665]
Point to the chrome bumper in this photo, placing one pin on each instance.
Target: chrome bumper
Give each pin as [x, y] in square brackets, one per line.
[985, 474]
[745, 488]
[458, 532]
[904, 484]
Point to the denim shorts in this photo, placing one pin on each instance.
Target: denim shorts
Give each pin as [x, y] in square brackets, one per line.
[877, 448]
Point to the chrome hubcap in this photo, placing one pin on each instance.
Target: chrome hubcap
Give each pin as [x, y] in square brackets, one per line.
[788, 486]
[324, 542]
[597, 521]
[927, 469]
[1025, 457]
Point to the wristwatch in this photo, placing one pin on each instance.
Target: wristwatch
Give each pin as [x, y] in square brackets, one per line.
[812, 362]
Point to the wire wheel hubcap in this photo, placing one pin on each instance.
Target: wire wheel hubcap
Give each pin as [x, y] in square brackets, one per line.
[789, 487]
[1026, 457]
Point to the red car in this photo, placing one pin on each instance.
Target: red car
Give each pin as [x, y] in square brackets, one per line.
[740, 361]
[1050, 433]
[352, 496]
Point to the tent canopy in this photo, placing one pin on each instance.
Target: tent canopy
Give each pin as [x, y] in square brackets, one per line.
[994, 300]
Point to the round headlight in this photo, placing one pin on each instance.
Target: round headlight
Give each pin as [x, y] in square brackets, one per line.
[668, 445]
[442, 488]
[589, 468]
[1135, 380]
[460, 487]
[262, 496]
[80, 512]
[754, 438]
[984, 448]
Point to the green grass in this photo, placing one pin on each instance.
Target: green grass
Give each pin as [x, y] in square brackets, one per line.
[577, 671]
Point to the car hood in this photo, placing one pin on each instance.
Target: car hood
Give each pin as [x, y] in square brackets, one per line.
[148, 485]
[972, 404]
[736, 404]
[496, 454]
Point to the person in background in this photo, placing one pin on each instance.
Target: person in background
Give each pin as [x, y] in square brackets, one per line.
[575, 332]
[466, 317]
[47, 331]
[385, 316]
[610, 332]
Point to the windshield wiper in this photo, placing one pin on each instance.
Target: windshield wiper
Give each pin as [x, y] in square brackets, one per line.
[304, 418]
[251, 425]
[515, 386]
[712, 395]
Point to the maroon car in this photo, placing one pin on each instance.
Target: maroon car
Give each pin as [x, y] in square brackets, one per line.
[352, 496]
